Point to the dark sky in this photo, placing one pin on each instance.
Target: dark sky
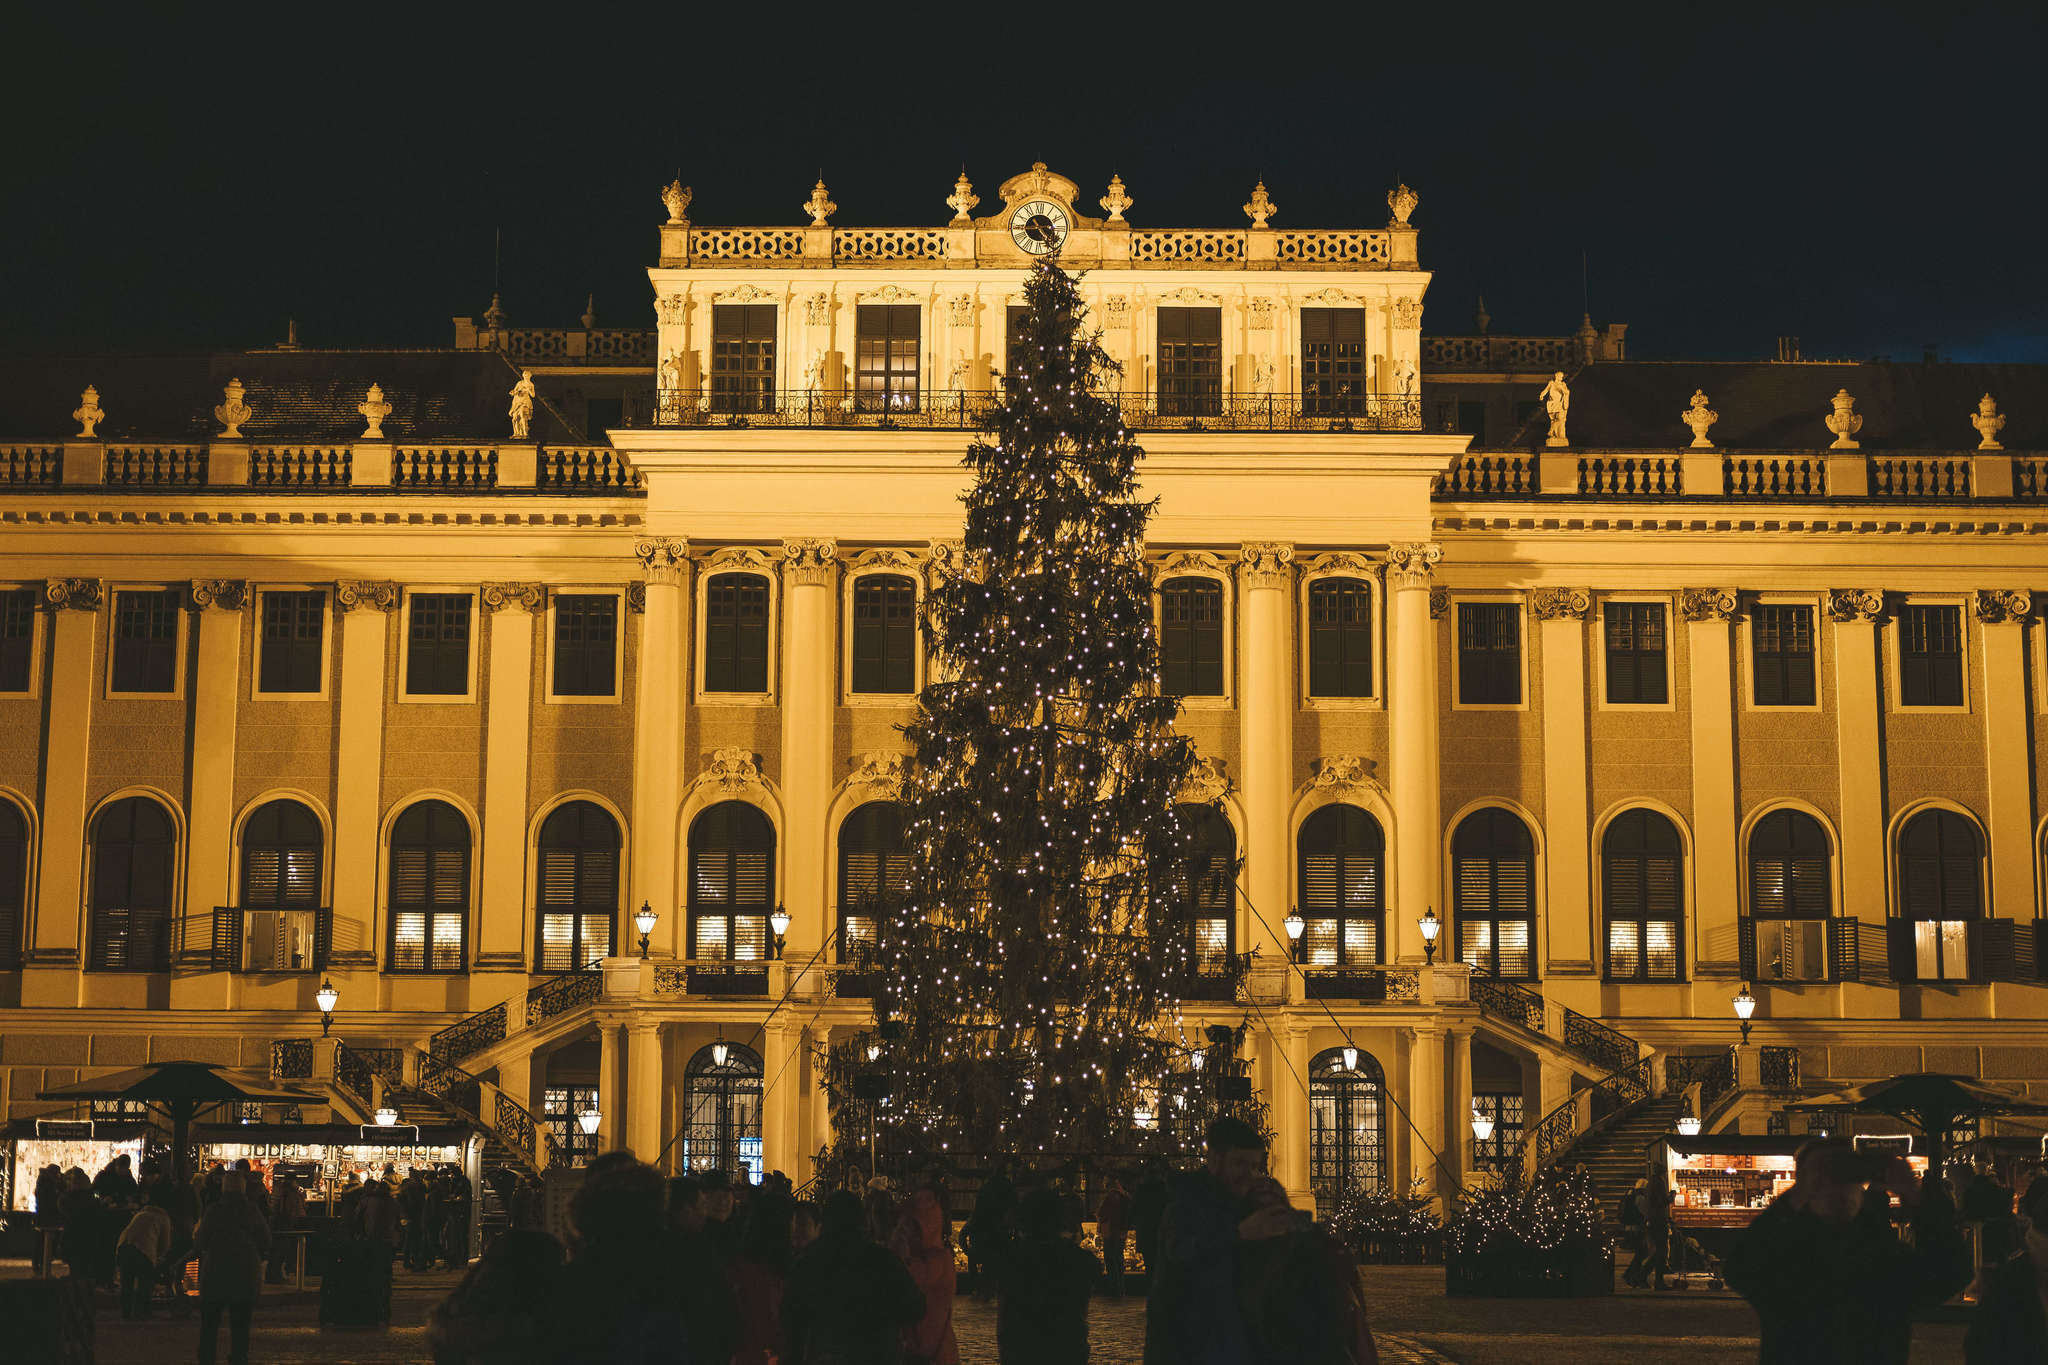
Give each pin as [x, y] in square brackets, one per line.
[1866, 179]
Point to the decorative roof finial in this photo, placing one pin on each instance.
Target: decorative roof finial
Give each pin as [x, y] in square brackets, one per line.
[1987, 419]
[1402, 201]
[1261, 206]
[1116, 201]
[589, 318]
[233, 412]
[1699, 417]
[677, 198]
[1844, 422]
[963, 199]
[820, 205]
[374, 410]
[494, 316]
[1480, 318]
[88, 414]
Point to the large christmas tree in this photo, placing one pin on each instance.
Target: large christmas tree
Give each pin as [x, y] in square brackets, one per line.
[1026, 979]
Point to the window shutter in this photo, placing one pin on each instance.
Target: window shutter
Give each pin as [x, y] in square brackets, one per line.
[1745, 943]
[227, 939]
[1899, 954]
[323, 937]
[17, 638]
[1994, 952]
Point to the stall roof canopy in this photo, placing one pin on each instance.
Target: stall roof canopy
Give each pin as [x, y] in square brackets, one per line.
[331, 1134]
[181, 1082]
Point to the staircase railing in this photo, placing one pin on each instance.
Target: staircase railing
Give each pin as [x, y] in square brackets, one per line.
[1516, 1005]
[560, 993]
[1510, 1003]
[468, 1098]
[1584, 1110]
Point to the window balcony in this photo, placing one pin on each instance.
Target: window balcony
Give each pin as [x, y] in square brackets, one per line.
[270, 939]
[1958, 952]
[1365, 985]
[965, 409]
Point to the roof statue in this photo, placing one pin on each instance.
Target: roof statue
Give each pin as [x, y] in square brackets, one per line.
[1987, 419]
[88, 414]
[233, 411]
[1402, 201]
[374, 410]
[962, 200]
[1261, 206]
[677, 197]
[1699, 417]
[1115, 201]
[522, 405]
[1844, 422]
[1557, 402]
[820, 205]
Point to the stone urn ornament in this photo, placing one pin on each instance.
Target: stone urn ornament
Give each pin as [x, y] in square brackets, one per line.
[1402, 201]
[233, 412]
[1844, 422]
[1988, 420]
[1115, 201]
[1699, 417]
[374, 410]
[1261, 206]
[88, 414]
[962, 200]
[820, 205]
[676, 198]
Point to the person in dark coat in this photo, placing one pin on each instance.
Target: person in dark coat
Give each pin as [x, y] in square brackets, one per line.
[988, 1228]
[1148, 1206]
[49, 1209]
[233, 1242]
[848, 1300]
[115, 1184]
[759, 1278]
[1830, 1284]
[497, 1315]
[1290, 1285]
[412, 1207]
[1112, 1226]
[1192, 1315]
[82, 1215]
[2010, 1326]
[623, 1299]
[1043, 1283]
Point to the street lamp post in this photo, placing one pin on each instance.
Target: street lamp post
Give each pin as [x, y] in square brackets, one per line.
[590, 1120]
[1745, 1005]
[1482, 1129]
[326, 998]
[1430, 926]
[644, 920]
[779, 922]
[1296, 926]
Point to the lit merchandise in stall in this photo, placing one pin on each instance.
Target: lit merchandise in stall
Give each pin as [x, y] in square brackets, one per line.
[91, 1147]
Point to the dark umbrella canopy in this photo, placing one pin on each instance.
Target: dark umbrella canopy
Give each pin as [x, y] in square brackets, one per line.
[182, 1088]
[1930, 1101]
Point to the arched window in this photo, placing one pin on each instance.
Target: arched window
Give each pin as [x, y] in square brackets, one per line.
[1790, 898]
[1493, 894]
[1339, 638]
[722, 1108]
[277, 925]
[13, 882]
[1215, 891]
[732, 881]
[429, 902]
[1191, 637]
[1342, 887]
[1941, 892]
[884, 633]
[736, 633]
[579, 886]
[134, 862]
[874, 872]
[1642, 868]
[1348, 1123]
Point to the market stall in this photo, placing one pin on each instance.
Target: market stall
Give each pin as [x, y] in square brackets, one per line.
[324, 1155]
[88, 1144]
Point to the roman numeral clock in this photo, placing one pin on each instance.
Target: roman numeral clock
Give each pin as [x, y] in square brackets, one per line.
[1039, 226]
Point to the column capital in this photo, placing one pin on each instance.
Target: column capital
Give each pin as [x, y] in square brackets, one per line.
[810, 561]
[1423, 1033]
[229, 594]
[663, 561]
[1411, 563]
[1708, 604]
[944, 559]
[1561, 604]
[1856, 604]
[363, 594]
[2003, 606]
[512, 596]
[72, 594]
[1266, 564]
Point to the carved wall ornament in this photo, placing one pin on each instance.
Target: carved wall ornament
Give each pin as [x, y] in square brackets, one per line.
[1407, 312]
[1855, 604]
[1344, 770]
[962, 200]
[232, 412]
[1844, 421]
[890, 293]
[960, 309]
[1187, 296]
[892, 560]
[732, 770]
[1708, 604]
[1116, 201]
[671, 307]
[1332, 298]
[366, 594]
[1117, 308]
[1266, 564]
[810, 561]
[743, 293]
[1559, 604]
[1205, 782]
[228, 594]
[1333, 562]
[882, 771]
[1177, 562]
[512, 596]
[819, 205]
[1998, 606]
[663, 561]
[675, 197]
[944, 558]
[1401, 201]
[818, 309]
[374, 410]
[1261, 206]
[636, 598]
[1409, 564]
[88, 414]
[521, 411]
[1987, 419]
[72, 594]
[1698, 416]
[739, 558]
[1262, 315]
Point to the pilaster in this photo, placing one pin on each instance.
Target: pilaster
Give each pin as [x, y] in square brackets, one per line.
[1458, 1154]
[659, 697]
[217, 606]
[1717, 864]
[2008, 750]
[1859, 712]
[1289, 1107]
[1265, 577]
[646, 1089]
[1412, 703]
[611, 1097]
[782, 1100]
[810, 680]
[363, 608]
[1426, 1107]
[817, 1040]
[508, 721]
[1568, 874]
[54, 940]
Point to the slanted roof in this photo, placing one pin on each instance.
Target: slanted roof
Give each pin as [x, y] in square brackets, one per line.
[1635, 405]
[296, 395]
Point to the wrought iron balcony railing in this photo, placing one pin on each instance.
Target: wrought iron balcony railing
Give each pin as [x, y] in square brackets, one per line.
[271, 938]
[1197, 409]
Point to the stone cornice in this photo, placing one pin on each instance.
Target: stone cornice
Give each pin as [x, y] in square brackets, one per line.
[1944, 520]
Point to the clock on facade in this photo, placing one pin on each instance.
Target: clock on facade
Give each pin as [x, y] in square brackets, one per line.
[1039, 226]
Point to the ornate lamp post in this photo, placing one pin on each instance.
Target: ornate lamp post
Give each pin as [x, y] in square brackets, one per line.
[1350, 1058]
[1296, 926]
[387, 1117]
[719, 1050]
[1745, 1005]
[326, 998]
[1430, 926]
[1482, 1129]
[644, 920]
[779, 922]
[590, 1120]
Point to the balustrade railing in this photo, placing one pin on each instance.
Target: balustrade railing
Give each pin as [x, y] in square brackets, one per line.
[1187, 246]
[1556, 1131]
[1509, 475]
[1495, 353]
[177, 466]
[1355, 248]
[1631, 476]
[1919, 476]
[586, 469]
[514, 1124]
[1366, 984]
[1774, 476]
[30, 466]
[949, 409]
[563, 993]
[1598, 1043]
[301, 466]
[1509, 1002]
[442, 467]
[1778, 1068]
[1714, 1072]
[352, 1072]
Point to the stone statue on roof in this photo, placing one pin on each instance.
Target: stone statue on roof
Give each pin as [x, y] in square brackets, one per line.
[374, 409]
[1698, 416]
[1557, 402]
[232, 412]
[676, 199]
[88, 413]
[522, 405]
[1988, 420]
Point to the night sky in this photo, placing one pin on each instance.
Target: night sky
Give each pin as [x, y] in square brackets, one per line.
[1867, 180]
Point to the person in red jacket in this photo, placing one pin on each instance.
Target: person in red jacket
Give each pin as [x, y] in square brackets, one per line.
[923, 1247]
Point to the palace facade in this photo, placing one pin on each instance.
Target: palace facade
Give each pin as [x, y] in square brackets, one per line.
[1718, 674]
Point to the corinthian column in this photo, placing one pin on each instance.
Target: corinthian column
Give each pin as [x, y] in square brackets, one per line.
[1717, 867]
[365, 613]
[53, 943]
[1859, 717]
[1412, 740]
[508, 720]
[658, 737]
[216, 689]
[2002, 618]
[810, 573]
[1265, 576]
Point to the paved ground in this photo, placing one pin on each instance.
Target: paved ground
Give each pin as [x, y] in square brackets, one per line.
[1415, 1323]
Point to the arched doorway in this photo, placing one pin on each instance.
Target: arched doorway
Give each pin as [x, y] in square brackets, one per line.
[1347, 1123]
[722, 1108]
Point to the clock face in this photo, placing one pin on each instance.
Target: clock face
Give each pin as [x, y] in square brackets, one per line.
[1039, 226]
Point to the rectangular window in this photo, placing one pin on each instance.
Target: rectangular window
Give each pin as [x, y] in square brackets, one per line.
[736, 633]
[1339, 638]
[437, 644]
[1781, 656]
[586, 644]
[885, 357]
[290, 654]
[1489, 654]
[1333, 379]
[17, 638]
[884, 634]
[1190, 362]
[1931, 656]
[1636, 667]
[1191, 637]
[145, 655]
[743, 357]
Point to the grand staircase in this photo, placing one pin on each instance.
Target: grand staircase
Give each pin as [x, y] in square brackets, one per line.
[1614, 1154]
